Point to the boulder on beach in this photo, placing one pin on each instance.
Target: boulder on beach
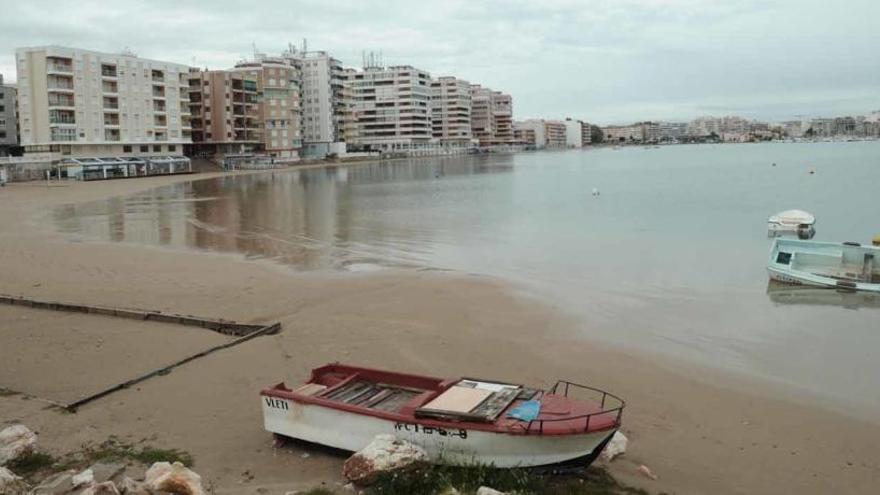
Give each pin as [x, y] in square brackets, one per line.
[10, 484]
[105, 488]
[129, 486]
[385, 453]
[83, 479]
[175, 478]
[16, 441]
[56, 484]
[616, 446]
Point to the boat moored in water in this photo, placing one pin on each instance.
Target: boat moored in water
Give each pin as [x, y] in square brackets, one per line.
[458, 421]
[792, 222]
[846, 265]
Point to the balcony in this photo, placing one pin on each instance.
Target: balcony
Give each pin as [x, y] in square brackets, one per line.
[158, 76]
[59, 65]
[109, 87]
[160, 121]
[159, 106]
[62, 117]
[111, 135]
[61, 101]
[108, 71]
[158, 91]
[63, 134]
[111, 103]
[111, 119]
[60, 84]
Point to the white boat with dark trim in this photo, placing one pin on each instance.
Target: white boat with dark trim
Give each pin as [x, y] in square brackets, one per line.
[458, 421]
[847, 265]
[792, 222]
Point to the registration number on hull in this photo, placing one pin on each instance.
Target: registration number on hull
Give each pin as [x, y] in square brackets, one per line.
[431, 430]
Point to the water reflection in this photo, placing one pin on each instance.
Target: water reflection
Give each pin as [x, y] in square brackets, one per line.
[308, 218]
[813, 296]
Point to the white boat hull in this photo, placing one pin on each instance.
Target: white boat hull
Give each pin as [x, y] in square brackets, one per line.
[352, 432]
[823, 264]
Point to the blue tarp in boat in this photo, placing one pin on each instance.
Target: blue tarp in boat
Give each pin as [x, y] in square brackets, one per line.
[527, 411]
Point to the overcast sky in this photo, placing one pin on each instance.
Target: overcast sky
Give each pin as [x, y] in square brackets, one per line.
[606, 61]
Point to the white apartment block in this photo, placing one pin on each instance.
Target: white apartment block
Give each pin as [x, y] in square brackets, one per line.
[532, 132]
[622, 133]
[574, 133]
[85, 103]
[389, 108]
[323, 108]
[451, 111]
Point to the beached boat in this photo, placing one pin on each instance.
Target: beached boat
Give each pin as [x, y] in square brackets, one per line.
[792, 222]
[457, 421]
[847, 265]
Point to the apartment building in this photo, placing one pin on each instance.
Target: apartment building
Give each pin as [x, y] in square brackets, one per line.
[389, 108]
[83, 103]
[672, 131]
[586, 133]
[225, 112]
[623, 133]
[491, 116]
[279, 110]
[8, 120]
[323, 107]
[530, 133]
[554, 134]
[574, 133]
[502, 117]
[482, 123]
[451, 111]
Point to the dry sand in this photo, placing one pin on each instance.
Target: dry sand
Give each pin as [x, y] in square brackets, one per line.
[701, 431]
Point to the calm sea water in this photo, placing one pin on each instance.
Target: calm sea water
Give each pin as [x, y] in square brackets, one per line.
[669, 258]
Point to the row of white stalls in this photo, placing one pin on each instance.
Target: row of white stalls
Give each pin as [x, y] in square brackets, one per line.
[120, 167]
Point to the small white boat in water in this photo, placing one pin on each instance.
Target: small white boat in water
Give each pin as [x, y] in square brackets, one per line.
[457, 421]
[792, 222]
[846, 265]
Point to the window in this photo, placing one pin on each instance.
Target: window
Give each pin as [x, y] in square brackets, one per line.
[157, 148]
[126, 149]
[145, 148]
[171, 147]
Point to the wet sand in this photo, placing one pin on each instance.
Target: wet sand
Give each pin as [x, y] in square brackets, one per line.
[699, 430]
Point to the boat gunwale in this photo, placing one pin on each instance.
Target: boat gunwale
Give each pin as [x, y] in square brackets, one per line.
[280, 390]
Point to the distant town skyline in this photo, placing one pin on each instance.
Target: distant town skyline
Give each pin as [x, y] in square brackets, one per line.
[606, 61]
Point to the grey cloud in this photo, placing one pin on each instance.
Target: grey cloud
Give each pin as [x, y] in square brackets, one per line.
[601, 60]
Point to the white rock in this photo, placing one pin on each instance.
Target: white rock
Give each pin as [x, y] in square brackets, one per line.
[84, 478]
[16, 442]
[129, 486]
[105, 488]
[384, 453]
[485, 490]
[615, 447]
[10, 484]
[175, 478]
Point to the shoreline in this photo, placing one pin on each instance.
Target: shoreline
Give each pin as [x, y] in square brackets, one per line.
[699, 429]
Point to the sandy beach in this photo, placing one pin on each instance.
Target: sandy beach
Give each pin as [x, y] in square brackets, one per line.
[700, 430]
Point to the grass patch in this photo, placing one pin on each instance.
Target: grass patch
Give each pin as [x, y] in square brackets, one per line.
[436, 479]
[5, 392]
[31, 463]
[114, 450]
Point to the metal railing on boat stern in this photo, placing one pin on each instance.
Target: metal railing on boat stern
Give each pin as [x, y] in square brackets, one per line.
[617, 411]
